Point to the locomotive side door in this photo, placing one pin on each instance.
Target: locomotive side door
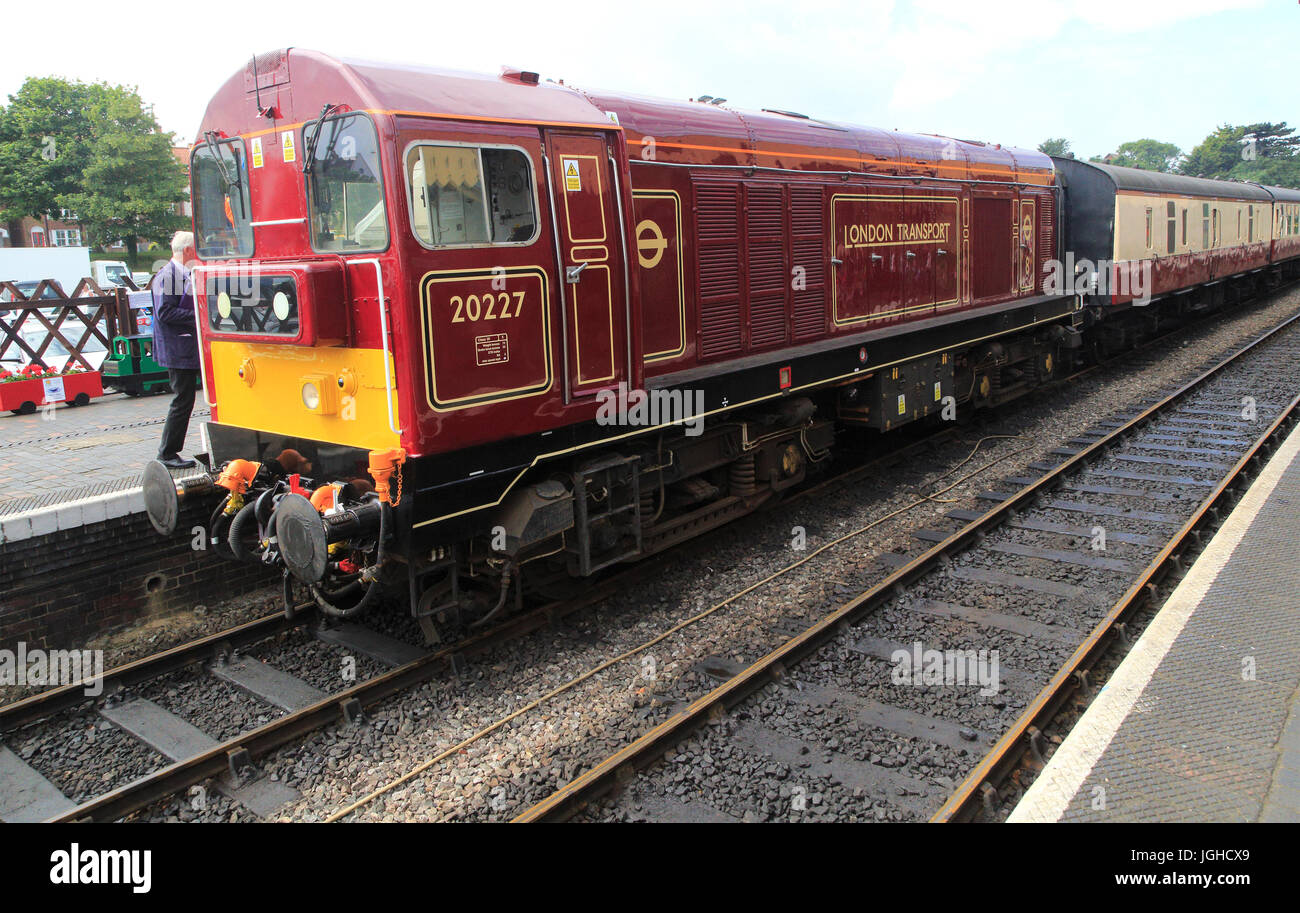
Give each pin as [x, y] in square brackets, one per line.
[588, 232]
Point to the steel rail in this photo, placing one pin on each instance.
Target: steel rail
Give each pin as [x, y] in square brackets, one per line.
[46, 703]
[980, 784]
[339, 706]
[622, 765]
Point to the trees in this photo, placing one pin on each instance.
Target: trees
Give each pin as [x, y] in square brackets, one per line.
[43, 145]
[1057, 145]
[1147, 154]
[1265, 152]
[92, 148]
[1216, 155]
[132, 181]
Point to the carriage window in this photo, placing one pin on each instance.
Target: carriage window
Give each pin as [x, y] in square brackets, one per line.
[1171, 236]
[1184, 226]
[345, 191]
[1148, 228]
[470, 195]
[1250, 225]
[1205, 226]
[223, 217]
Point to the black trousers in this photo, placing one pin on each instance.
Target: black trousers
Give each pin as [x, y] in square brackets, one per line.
[184, 381]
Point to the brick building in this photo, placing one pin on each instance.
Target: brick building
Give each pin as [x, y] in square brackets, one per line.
[64, 230]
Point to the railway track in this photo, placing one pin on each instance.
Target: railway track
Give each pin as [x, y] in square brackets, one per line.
[825, 725]
[195, 756]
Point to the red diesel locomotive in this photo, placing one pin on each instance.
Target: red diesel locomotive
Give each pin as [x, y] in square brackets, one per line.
[467, 337]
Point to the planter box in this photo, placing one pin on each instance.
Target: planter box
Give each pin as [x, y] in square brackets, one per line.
[24, 396]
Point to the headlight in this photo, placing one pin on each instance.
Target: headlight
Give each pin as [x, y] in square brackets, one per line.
[280, 306]
[311, 396]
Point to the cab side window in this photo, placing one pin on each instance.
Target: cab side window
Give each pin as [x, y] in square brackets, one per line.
[469, 195]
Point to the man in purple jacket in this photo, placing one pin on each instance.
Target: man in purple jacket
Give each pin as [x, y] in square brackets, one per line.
[175, 346]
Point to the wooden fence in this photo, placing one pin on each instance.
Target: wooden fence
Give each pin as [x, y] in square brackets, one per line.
[30, 324]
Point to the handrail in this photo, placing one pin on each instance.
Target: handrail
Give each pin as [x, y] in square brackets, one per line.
[198, 330]
[559, 265]
[615, 177]
[383, 328]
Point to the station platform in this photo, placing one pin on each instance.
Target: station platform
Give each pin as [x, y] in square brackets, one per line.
[74, 453]
[1201, 721]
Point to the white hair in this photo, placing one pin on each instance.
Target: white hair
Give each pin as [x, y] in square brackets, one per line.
[181, 242]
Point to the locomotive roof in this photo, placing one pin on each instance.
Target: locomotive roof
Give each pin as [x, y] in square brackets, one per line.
[1160, 182]
[702, 133]
[688, 132]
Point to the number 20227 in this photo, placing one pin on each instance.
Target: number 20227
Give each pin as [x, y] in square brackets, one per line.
[489, 306]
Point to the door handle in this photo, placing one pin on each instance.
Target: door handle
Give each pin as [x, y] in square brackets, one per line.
[911, 255]
[573, 273]
[942, 252]
[837, 261]
[876, 258]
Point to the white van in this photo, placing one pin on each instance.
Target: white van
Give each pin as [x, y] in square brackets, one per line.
[110, 273]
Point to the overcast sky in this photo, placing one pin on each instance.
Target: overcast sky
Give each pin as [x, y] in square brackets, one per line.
[1098, 72]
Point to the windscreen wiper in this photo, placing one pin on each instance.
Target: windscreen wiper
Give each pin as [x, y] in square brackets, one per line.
[226, 179]
[310, 158]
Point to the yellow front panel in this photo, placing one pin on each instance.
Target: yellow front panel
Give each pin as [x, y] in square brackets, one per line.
[273, 401]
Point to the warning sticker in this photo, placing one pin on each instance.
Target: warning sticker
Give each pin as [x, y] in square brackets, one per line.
[938, 391]
[286, 147]
[257, 152]
[572, 179]
[902, 404]
[491, 350]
